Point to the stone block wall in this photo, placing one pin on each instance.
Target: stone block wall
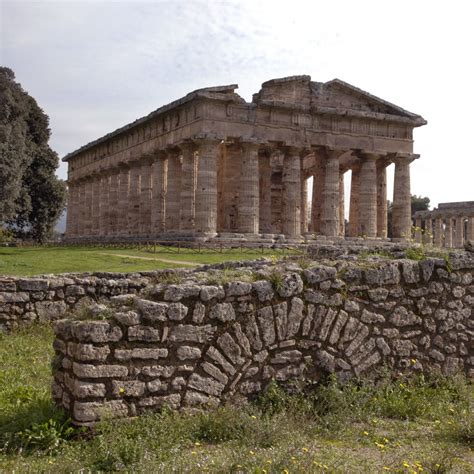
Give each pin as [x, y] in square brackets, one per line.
[197, 344]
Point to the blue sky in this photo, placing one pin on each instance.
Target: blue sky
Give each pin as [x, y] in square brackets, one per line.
[95, 65]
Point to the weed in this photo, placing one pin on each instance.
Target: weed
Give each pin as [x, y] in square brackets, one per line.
[415, 253]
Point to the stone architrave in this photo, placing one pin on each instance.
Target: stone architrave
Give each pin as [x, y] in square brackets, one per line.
[123, 195]
[265, 189]
[330, 209]
[368, 195]
[249, 206]
[319, 177]
[134, 199]
[145, 197]
[354, 200]
[382, 210]
[159, 182]
[188, 186]
[206, 189]
[291, 199]
[402, 197]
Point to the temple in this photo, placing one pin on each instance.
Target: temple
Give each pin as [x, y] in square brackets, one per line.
[213, 166]
[451, 224]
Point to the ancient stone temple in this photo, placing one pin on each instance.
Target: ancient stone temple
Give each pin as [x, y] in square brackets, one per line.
[211, 165]
[451, 224]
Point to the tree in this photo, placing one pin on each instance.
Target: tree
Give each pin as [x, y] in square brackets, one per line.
[418, 203]
[31, 196]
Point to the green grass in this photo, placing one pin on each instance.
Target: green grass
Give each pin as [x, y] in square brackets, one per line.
[411, 425]
[43, 260]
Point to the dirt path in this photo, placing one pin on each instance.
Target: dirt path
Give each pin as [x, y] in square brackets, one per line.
[163, 260]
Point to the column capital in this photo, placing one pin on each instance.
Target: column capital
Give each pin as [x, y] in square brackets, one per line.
[368, 155]
[330, 152]
[188, 146]
[403, 158]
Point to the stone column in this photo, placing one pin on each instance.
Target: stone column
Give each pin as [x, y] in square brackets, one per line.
[470, 228]
[291, 198]
[368, 196]
[265, 189]
[95, 205]
[319, 177]
[134, 200]
[448, 233]
[304, 204]
[382, 214]
[428, 234]
[188, 187]
[401, 215]
[330, 209]
[459, 243]
[144, 226]
[418, 237]
[159, 183]
[342, 219]
[438, 233]
[354, 201]
[104, 203]
[206, 189]
[173, 191]
[113, 202]
[123, 195]
[249, 206]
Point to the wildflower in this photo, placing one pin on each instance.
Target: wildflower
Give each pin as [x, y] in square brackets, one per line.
[366, 433]
[197, 443]
[293, 458]
[413, 361]
[269, 461]
[193, 452]
[385, 440]
[253, 417]
[285, 471]
[451, 410]
[121, 390]
[305, 450]
[379, 445]
[325, 467]
[405, 464]
[252, 452]
[386, 468]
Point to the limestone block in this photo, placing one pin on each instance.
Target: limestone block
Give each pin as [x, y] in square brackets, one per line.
[265, 318]
[88, 389]
[217, 357]
[157, 385]
[206, 385]
[158, 371]
[143, 333]
[370, 317]
[140, 353]
[230, 348]
[128, 388]
[178, 292]
[319, 274]
[402, 317]
[378, 294]
[214, 372]
[287, 357]
[94, 411]
[95, 331]
[209, 292]
[34, 284]
[129, 318]
[238, 288]
[87, 352]
[264, 290]
[291, 284]
[295, 316]
[192, 399]
[188, 352]
[151, 310]
[177, 311]
[223, 312]
[191, 333]
[89, 371]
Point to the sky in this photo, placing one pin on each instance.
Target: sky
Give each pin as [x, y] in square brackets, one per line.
[94, 66]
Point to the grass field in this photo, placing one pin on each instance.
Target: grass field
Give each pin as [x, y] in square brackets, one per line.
[405, 426]
[29, 261]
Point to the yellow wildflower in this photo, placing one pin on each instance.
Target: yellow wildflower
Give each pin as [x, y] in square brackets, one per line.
[386, 468]
[268, 461]
[405, 464]
[366, 433]
[121, 390]
[305, 450]
[253, 417]
[252, 452]
[197, 443]
[193, 452]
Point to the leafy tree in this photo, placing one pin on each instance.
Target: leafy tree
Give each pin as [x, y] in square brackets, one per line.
[31, 196]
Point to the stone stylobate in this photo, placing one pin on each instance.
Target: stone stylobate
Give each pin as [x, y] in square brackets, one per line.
[213, 166]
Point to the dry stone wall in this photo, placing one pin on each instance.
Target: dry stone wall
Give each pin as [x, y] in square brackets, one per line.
[195, 344]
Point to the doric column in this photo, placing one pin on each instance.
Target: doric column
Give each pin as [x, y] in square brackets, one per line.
[173, 191]
[113, 202]
[291, 197]
[104, 203]
[319, 177]
[249, 193]
[354, 201]
[342, 219]
[470, 228]
[382, 199]
[134, 200]
[459, 243]
[159, 182]
[188, 186]
[144, 225]
[123, 205]
[438, 232]
[402, 197]
[95, 205]
[418, 237]
[330, 206]
[448, 233]
[368, 196]
[304, 204]
[206, 189]
[428, 234]
[265, 189]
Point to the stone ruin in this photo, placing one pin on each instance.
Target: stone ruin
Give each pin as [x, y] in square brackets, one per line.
[219, 336]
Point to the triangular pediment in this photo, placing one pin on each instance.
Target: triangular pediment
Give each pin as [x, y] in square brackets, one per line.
[341, 95]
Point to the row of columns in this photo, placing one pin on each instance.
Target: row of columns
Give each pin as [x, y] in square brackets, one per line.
[177, 191]
[452, 231]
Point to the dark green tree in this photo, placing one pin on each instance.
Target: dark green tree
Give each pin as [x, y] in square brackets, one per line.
[31, 196]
